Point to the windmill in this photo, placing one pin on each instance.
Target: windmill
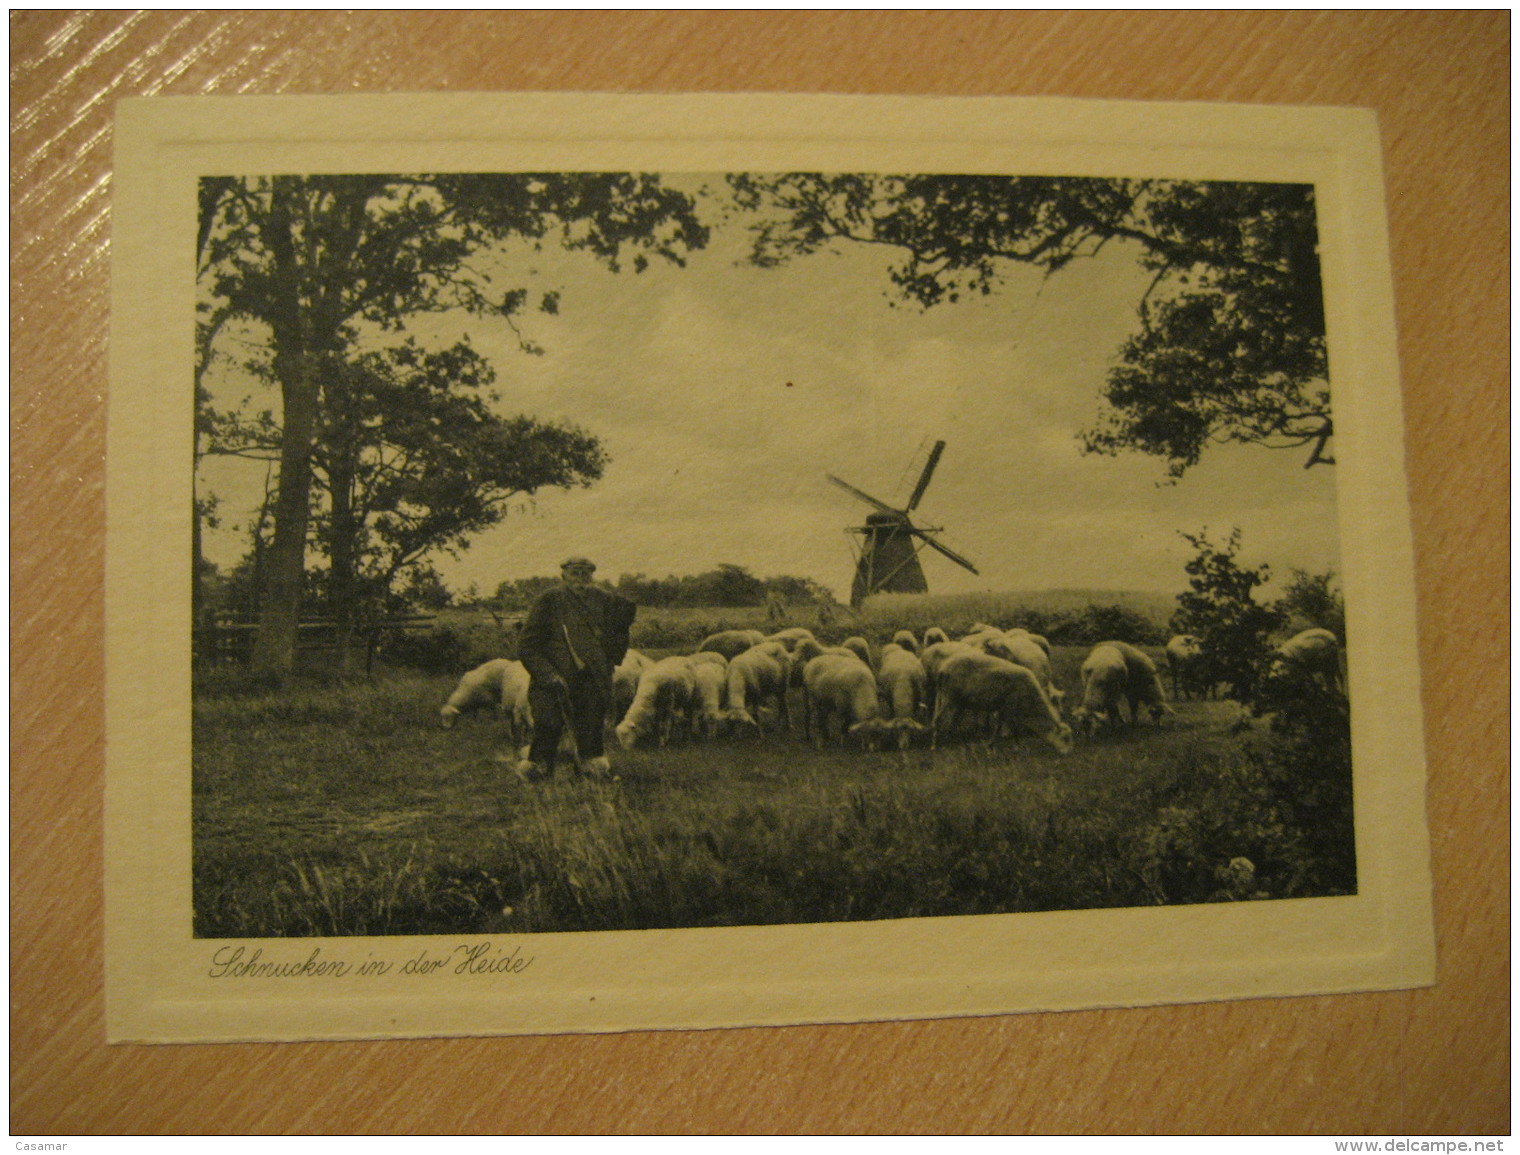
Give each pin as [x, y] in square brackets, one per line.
[890, 543]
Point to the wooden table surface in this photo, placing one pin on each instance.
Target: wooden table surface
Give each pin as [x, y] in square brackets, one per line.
[1426, 1061]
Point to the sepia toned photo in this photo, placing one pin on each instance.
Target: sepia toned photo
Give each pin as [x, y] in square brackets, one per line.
[865, 556]
[877, 546]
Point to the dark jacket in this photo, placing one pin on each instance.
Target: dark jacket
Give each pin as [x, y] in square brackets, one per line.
[573, 631]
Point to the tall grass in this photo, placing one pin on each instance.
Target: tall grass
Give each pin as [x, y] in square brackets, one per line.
[350, 812]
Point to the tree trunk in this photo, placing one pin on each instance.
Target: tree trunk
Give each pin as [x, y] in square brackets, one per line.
[285, 576]
[343, 585]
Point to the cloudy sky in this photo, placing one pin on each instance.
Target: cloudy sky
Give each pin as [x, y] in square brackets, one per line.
[723, 393]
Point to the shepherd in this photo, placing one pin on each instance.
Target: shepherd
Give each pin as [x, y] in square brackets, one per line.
[574, 637]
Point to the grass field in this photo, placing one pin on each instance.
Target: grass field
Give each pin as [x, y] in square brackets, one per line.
[347, 810]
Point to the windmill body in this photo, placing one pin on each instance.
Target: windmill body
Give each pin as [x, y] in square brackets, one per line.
[890, 542]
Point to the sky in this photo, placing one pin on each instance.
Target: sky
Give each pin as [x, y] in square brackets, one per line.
[723, 393]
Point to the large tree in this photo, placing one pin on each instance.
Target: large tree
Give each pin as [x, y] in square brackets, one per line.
[413, 460]
[1231, 339]
[322, 261]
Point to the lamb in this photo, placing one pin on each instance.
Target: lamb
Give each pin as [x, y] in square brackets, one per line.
[1314, 653]
[902, 684]
[710, 674]
[625, 681]
[1184, 658]
[502, 683]
[731, 643]
[1020, 648]
[665, 693]
[761, 673]
[906, 640]
[839, 685]
[934, 634]
[977, 681]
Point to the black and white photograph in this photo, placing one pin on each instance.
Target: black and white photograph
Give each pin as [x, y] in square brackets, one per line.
[765, 573]
[619, 551]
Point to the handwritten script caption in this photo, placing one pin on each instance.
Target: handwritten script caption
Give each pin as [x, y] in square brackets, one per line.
[480, 958]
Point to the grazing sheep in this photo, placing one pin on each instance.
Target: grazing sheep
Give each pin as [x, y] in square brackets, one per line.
[1021, 649]
[1103, 687]
[859, 647]
[499, 683]
[625, 681]
[934, 634]
[1313, 653]
[760, 674]
[709, 672]
[665, 693]
[1145, 688]
[980, 634]
[1037, 639]
[804, 652]
[1105, 681]
[933, 657]
[790, 637]
[978, 681]
[731, 643]
[906, 640]
[902, 685]
[839, 685]
[1184, 658]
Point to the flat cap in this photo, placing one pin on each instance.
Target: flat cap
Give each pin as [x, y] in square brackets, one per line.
[584, 563]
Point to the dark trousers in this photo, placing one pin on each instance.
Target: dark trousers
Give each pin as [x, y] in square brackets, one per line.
[583, 705]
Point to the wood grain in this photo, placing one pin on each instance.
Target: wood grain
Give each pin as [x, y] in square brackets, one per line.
[1430, 1061]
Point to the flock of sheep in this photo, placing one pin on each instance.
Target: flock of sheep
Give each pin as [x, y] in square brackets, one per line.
[998, 681]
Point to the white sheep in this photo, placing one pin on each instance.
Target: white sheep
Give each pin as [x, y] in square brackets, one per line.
[790, 637]
[934, 656]
[976, 681]
[934, 634]
[1037, 639]
[1314, 653]
[1020, 648]
[1145, 688]
[758, 675]
[501, 683]
[839, 685]
[1114, 672]
[902, 685]
[731, 643]
[664, 695]
[1184, 658]
[859, 647]
[710, 697]
[625, 681]
[907, 641]
[803, 652]
[1105, 682]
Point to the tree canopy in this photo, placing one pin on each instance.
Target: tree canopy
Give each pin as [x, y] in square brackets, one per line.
[320, 264]
[1231, 339]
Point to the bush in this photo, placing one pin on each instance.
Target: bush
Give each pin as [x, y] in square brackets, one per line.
[1221, 611]
[438, 650]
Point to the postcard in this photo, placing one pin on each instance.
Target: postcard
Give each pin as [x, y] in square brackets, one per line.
[586, 562]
